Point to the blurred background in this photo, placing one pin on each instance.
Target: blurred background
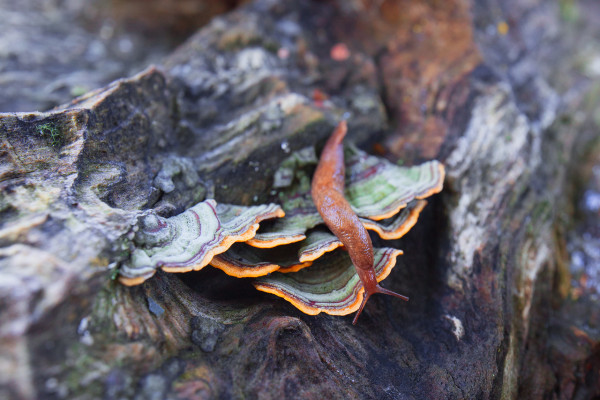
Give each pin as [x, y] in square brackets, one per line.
[54, 50]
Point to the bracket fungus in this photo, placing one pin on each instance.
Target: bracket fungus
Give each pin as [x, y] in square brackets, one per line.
[190, 240]
[292, 254]
[244, 261]
[330, 285]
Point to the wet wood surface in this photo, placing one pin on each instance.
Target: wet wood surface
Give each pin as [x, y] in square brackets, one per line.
[495, 90]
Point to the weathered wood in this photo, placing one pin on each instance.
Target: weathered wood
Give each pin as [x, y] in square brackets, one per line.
[480, 86]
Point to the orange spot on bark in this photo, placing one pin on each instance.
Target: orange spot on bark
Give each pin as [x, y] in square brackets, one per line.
[339, 52]
[319, 97]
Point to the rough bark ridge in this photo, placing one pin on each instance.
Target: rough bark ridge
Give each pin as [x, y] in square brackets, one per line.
[466, 83]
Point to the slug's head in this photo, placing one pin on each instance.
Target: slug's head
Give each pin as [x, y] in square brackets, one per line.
[371, 286]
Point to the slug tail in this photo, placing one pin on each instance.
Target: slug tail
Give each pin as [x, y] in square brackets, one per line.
[337, 137]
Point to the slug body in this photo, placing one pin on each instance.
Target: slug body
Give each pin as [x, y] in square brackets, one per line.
[327, 191]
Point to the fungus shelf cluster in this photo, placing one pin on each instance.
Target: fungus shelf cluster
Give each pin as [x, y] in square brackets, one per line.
[291, 254]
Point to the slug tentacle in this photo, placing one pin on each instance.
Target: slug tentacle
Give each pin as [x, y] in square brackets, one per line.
[371, 286]
[327, 191]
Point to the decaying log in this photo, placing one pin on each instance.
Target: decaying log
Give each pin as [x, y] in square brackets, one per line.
[489, 88]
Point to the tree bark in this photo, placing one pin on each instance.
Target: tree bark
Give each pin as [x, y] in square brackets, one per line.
[493, 89]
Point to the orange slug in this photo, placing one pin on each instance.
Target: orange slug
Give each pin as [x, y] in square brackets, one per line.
[327, 191]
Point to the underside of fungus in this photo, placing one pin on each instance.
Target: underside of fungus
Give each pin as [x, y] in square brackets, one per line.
[292, 254]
